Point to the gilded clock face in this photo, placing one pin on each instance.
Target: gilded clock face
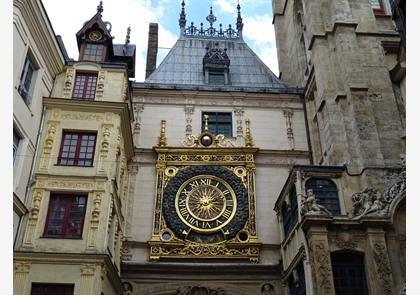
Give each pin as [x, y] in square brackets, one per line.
[95, 36]
[205, 204]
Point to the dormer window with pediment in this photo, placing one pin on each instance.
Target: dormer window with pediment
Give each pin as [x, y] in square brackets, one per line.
[216, 66]
[93, 49]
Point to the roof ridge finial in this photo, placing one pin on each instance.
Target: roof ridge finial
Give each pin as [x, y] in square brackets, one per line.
[182, 17]
[100, 8]
[127, 37]
[211, 18]
[239, 23]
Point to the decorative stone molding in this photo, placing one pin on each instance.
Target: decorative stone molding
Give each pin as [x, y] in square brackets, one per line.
[104, 272]
[101, 84]
[239, 114]
[28, 239]
[126, 254]
[383, 266]
[73, 184]
[125, 89]
[81, 116]
[346, 241]
[20, 276]
[22, 267]
[104, 146]
[87, 269]
[189, 290]
[48, 144]
[288, 114]
[309, 205]
[94, 221]
[267, 289]
[68, 82]
[372, 202]
[248, 138]
[321, 267]
[138, 109]
[189, 111]
[162, 136]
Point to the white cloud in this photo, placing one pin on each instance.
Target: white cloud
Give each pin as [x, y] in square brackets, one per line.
[228, 6]
[259, 28]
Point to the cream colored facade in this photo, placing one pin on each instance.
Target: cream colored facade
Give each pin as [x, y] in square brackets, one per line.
[344, 124]
[36, 40]
[91, 263]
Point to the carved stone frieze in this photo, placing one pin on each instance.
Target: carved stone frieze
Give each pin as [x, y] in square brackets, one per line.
[383, 267]
[71, 184]
[82, 116]
[195, 290]
[346, 241]
[36, 204]
[321, 267]
[87, 269]
[372, 202]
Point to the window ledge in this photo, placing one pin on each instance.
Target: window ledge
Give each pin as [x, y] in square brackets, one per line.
[61, 237]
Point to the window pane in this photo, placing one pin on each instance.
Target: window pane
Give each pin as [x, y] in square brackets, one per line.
[16, 139]
[216, 79]
[52, 289]
[326, 194]
[26, 80]
[376, 4]
[219, 123]
[77, 147]
[85, 86]
[65, 216]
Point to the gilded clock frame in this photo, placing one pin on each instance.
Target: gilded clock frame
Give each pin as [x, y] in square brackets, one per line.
[171, 160]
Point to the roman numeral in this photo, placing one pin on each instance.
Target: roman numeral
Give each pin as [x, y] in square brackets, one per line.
[183, 211]
[206, 225]
[206, 181]
[229, 203]
[226, 192]
[227, 213]
[195, 183]
[181, 203]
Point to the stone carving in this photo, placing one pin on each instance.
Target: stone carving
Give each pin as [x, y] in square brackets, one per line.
[35, 205]
[128, 288]
[199, 290]
[162, 136]
[289, 127]
[248, 138]
[372, 202]
[267, 289]
[189, 110]
[346, 241]
[383, 267]
[101, 84]
[82, 116]
[70, 184]
[219, 141]
[239, 113]
[321, 266]
[309, 205]
[96, 207]
[87, 269]
[68, 82]
[22, 267]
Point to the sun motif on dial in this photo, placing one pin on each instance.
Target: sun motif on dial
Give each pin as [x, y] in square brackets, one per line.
[205, 203]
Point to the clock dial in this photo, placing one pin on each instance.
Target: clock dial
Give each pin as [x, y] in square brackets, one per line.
[206, 203]
[95, 36]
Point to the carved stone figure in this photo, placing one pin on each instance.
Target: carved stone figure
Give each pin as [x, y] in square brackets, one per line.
[267, 289]
[310, 206]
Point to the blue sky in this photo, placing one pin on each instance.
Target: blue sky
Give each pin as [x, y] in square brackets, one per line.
[257, 16]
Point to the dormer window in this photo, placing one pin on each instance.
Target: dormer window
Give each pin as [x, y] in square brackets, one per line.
[93, 52]
[216, 66]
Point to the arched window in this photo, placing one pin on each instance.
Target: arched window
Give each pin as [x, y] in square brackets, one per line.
[326, 194]
[349, 273]
[290, 212]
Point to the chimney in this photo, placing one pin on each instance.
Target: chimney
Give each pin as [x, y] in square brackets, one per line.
[152, 48]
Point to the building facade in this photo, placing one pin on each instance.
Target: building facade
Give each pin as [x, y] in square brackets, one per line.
[70, 239]
[33, 78]
[343, 216]
[214, 176]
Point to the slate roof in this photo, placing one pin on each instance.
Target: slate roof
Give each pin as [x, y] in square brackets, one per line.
[184, 64]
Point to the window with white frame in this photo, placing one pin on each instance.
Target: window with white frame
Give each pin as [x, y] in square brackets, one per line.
[16, 141]
[26, 80]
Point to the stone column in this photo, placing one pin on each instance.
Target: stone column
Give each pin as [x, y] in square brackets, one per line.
[379, 266]
[87, 279]
[320, 260]
[20, 278]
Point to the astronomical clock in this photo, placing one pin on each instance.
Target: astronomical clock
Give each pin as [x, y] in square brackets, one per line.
[205, 200]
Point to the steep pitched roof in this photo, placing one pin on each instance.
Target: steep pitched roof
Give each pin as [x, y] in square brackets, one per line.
[184, 64]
